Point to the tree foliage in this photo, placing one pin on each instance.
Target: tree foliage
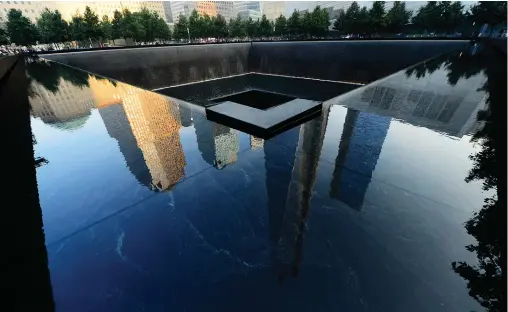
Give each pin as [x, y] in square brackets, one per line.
[77, 28]
[52, 28]
[146, 26]
[397, 17]
[181, 28]
[3, 36]
[488, 12]
[280, 26]
[91, 25]
[106, 28]
[20, 29]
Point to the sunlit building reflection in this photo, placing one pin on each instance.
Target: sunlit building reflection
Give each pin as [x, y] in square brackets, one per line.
[68, 108]
[154, 123]
[219, 145]
[145, 124]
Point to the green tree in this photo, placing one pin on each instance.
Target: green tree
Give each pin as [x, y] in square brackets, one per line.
[52, 28]
[428, 17]
[116, 25]
[294, 24]
[364, 21]
[338, 24]
[265, 27]
[195, 25]
[397, 17]
[91, 24]
[251, 28]
[132, 27]
[237, 28]
[221, 27]
[350, 22]
[20, 29]
[77, 28]
[281, 26]
[207, 28]
[181, 28]
[452, 15]
[162, 30]
[320, 21]
[377, 16]
[491, 13]
[106, 28]
[306, 24]
[3, 36]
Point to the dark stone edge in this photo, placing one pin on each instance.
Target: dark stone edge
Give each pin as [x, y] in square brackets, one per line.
[260, 131]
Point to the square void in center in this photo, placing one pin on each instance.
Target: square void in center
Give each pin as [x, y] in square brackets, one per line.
[256, 99]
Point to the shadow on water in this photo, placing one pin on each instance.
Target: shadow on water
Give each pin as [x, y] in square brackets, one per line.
[27, 282]
[486, 279]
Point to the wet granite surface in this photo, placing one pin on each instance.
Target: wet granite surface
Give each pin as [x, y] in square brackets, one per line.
[147, 206]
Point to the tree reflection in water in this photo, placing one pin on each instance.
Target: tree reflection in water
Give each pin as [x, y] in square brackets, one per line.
[486, 279]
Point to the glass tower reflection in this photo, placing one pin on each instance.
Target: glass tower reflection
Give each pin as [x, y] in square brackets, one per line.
[219, 145]
[359, 149]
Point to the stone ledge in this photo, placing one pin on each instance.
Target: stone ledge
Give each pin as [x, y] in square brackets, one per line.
[263, 123]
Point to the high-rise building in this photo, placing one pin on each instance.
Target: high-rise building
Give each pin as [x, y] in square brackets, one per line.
[30, 9]
[168, 16]
[273, 9]
[69, 9]
[211, 8]
[33, 9]
[247, 9]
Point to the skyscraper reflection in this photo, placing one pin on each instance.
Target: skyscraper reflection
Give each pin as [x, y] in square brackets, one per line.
[219, 145]
[306, 158]
[153, 122]
[359, 149]
[145, 124]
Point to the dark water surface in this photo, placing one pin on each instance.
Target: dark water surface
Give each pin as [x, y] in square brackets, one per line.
[147, 206]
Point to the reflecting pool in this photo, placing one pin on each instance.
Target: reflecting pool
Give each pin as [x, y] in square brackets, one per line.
[148, 206]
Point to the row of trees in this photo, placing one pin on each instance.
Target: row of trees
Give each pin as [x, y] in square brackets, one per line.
[435, 17]
[443, 17]
[52, 28]
[197, 26]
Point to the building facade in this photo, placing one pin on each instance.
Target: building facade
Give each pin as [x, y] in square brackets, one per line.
[247, 9]
[211, 8]
[30, 9]
[273, 9]
[33, 9]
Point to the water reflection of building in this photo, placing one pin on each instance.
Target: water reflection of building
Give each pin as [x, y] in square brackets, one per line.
[153, 122]
[428, 101]
[118, 127]
[256, 142]
[360, 145]
[297, 201]
[68, 108]
[219, 145]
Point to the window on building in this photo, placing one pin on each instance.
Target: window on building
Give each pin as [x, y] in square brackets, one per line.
[26, 11]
